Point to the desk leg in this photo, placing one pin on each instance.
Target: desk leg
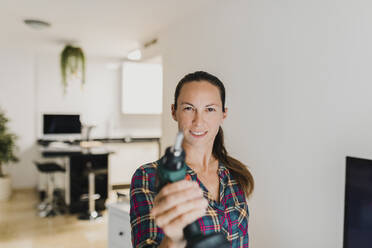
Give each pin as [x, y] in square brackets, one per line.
[67, 181]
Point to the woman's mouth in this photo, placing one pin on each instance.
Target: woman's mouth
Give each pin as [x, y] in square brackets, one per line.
[198, 134]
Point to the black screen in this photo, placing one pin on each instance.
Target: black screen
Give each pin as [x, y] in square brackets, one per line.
[61, 124]
[358, 203]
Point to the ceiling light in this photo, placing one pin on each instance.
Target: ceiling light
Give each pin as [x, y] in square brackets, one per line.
[135, 55]
[36, 24]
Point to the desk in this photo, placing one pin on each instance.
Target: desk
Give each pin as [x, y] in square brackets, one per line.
[76, 182]
[71, 150]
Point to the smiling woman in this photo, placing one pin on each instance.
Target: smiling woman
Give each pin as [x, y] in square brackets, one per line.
[215, 195]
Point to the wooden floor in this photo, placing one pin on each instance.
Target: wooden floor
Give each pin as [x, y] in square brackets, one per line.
[20, 227]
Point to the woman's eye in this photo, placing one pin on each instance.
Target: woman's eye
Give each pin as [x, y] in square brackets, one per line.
[210, 109]
[187, 108]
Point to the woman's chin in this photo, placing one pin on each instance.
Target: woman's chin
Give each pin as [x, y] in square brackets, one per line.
[197, 142]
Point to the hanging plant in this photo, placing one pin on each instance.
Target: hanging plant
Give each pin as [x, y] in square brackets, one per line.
[72, 65]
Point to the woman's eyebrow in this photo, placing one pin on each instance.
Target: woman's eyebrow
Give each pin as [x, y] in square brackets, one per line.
[208, 105]
[212, 104]
[182, 103]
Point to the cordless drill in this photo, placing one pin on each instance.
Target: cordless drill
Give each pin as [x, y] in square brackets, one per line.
[171, 169]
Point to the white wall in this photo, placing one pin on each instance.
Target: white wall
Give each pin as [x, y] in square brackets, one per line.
[17, 100]
[298, 78]
[30, 84]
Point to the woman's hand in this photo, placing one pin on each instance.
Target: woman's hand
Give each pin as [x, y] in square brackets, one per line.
[177, 205]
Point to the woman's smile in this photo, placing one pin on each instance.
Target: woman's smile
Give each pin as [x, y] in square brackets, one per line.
[198, 134]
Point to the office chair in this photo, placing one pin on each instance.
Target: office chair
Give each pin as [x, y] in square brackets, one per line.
[49, 207]
[91, 197]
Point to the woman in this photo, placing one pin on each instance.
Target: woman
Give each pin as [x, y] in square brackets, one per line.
[218, 184]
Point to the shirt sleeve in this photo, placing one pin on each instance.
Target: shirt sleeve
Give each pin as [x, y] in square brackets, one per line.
[145, 233]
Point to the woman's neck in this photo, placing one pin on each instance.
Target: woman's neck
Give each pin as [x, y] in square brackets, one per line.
[200, 159]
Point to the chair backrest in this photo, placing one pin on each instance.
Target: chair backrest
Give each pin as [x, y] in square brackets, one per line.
[49, 167]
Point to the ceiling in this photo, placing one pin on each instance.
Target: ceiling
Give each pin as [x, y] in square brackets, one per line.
[109, 28]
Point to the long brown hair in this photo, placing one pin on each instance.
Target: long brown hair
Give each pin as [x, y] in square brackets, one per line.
[238, 170]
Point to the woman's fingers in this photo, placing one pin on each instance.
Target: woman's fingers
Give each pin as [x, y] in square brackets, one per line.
[183, 220]
[172, 200]
[177, 205]
[175, 187]
[181, 209]
[165, 202]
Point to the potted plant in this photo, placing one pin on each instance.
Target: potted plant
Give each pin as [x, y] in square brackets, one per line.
[72, 65]
[7, 149]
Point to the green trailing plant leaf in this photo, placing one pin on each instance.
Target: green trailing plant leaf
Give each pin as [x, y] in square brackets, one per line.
[7, 143]
[72, 63]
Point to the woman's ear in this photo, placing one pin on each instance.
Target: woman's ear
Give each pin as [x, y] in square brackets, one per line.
[173, 112]
[225, 114]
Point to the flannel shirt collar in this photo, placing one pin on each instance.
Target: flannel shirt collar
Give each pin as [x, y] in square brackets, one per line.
[223, 174]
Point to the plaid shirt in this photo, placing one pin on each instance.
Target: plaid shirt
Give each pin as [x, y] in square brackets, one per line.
[229, 216]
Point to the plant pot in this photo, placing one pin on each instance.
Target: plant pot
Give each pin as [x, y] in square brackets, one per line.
[5, 188]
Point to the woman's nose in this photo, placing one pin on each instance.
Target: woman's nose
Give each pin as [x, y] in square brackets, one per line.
[198, 118]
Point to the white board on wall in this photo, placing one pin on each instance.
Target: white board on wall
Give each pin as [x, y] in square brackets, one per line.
[141, 88]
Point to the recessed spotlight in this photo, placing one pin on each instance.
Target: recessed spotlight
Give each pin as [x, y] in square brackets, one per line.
[135, 55]
[36, 24]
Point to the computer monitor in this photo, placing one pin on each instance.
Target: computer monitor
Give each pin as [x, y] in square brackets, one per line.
[61, 126]
[358, 203]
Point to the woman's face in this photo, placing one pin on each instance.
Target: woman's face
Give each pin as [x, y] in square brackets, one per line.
[199, 113]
